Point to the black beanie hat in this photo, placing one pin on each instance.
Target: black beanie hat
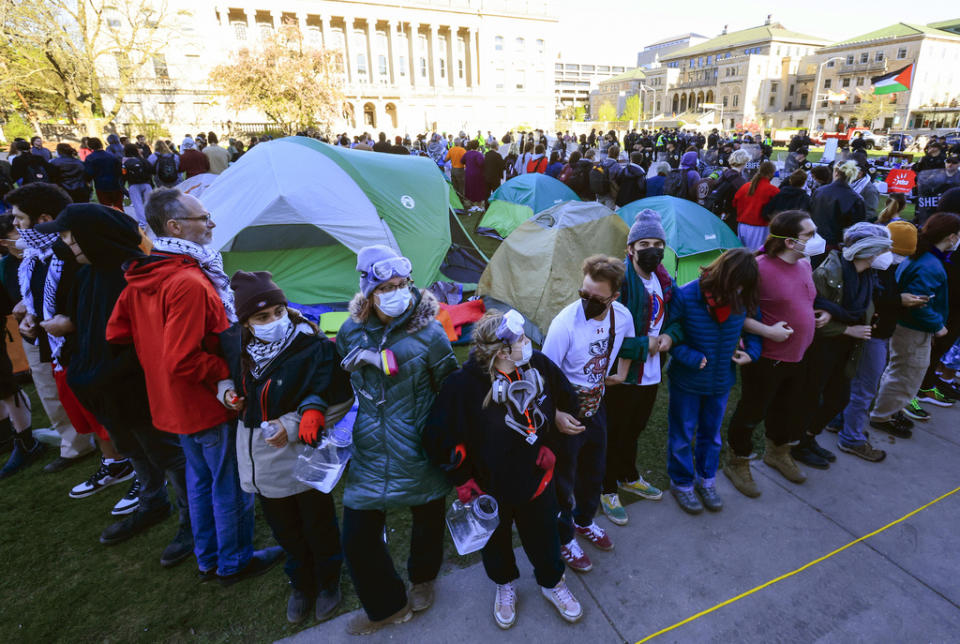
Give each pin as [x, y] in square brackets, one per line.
[253, 292]
[950, 201]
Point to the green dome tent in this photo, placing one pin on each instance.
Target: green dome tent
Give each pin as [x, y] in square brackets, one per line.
[537, 269]
[301, 209]
[695, 236]
[519, 199]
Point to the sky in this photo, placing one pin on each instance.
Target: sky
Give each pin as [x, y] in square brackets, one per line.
[613, 31]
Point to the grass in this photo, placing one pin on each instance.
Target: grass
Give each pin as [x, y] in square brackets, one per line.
[60, 584]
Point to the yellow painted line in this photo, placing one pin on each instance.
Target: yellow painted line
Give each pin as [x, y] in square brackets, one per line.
[793, 572]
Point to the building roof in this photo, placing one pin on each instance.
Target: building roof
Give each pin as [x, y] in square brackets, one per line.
[636, 73]
[664, 41]
[763, 33]
[952, 26]
[898, 30]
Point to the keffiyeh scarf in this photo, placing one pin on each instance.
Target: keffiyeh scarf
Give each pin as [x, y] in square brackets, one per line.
[211, 263]
[263, 353]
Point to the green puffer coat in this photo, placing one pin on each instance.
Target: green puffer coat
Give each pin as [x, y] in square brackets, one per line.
[389, 467]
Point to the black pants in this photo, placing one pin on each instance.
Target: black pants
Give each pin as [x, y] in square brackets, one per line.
[580, 465]
[826, 390]
[379, 587]
[305, 525]
[628, 410]
[156, 456]
[771, 391]
[937, 351]
[537, 527]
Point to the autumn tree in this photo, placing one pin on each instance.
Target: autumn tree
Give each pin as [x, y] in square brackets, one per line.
[607, 112]
[80, 58]
[295, 85]
[631, 108]
[870, 109]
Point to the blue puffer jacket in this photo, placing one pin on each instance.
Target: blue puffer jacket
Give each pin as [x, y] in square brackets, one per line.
[925, 275]
[390, 467]
[704, 338]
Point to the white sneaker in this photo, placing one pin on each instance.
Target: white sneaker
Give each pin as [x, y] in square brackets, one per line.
[105, 476]
[564, 601]
[130, 501]
[505, 605]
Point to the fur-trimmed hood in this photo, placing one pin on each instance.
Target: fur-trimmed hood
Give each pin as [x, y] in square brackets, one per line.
[423, 312]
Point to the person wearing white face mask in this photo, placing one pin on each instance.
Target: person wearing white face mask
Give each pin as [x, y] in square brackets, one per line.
[845, 285]
[398, 356]
[772, 385]
[492, 430]
[291, 380]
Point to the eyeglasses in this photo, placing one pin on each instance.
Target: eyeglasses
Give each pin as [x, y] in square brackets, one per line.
[206, 218]
[390, 288]
[590, 296]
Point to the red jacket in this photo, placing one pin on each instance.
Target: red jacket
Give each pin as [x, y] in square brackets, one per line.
[749, 206]
[172, 313]
[193, 162]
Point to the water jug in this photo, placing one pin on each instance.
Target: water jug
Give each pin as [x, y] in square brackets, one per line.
[471, 524]
[321, 467]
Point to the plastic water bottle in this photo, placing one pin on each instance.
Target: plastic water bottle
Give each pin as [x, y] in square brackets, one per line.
[321, 467]
[471, 524]
[341, 434]
[269, 430]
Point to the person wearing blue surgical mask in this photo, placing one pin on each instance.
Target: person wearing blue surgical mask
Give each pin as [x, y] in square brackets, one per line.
[398, 356]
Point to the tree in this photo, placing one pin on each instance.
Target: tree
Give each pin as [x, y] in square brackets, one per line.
[607, 112]
[869, 109]
[580, 113]
[80, 58]
[295, 86]
[631, 108]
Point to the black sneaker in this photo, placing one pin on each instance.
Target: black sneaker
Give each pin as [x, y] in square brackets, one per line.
[948, 389]
[179, 549]
[203, 576]
[260, 562]
[129, 502]
[327, 603]
[106, 475]
[803, 454]
[711, 500]
[133, 525]
[298, 606]
[915, 411]
[687, 501]
[62, 463]
[892, 428]
[821, 451]
[901, 419]
[21, 458]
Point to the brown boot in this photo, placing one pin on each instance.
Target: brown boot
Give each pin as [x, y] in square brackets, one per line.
[421, 596]
[778, 457]
[737, 469]
[360, 624]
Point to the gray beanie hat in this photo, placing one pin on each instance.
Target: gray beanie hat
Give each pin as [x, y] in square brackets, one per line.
[864, 239]
[646, 225]
[366, 258]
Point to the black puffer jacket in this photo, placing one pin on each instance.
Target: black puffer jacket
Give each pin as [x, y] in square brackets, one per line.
[836, 206]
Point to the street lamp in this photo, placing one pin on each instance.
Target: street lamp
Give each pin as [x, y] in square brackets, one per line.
[653, 106]
[816, 92]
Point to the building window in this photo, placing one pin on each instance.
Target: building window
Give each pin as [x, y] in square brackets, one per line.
[846, 82]
[240, 30]
[443, 68]
[160, 66]
[901, 53]
[773, 87]
[403, 65]
[519, 44]
[736, 100]
[501, 77]
[725, 101]
[773, 101]
[827, 83]
[423, 67]
[864, 57]
[879, 57]
[265, 29]
[314, 36]
[541, 46]
[791, 90]
[803, 99]
[860, 81]
[362, 67]
[382, 65]
[830, 63]
[498, 43]
[709, 60]
[521, 76]
[460, 69]
[850, 59]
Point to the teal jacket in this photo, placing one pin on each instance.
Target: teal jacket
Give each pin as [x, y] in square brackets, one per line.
[635, 297]
[389, 467]
[925, 275]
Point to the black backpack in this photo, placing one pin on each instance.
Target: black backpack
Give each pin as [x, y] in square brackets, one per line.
[167, 169]
[136, 170]
[633, 185]
[675, 184]
[718, 201]
[599, 180]
[36, 171]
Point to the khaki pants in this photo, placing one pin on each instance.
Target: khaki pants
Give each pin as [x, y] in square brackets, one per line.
[909, 358]
[72, 444]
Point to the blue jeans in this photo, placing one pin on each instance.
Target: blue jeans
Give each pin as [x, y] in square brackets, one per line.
[863, 389]
[694, 417]
[221, 512]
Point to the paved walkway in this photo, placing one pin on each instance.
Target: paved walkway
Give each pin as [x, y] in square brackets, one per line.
[902, 585]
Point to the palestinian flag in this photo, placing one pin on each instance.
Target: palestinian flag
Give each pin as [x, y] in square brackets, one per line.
[898, 81]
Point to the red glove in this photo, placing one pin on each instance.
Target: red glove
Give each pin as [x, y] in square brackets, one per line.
[546, 459]
[468, 491]
[311, 424]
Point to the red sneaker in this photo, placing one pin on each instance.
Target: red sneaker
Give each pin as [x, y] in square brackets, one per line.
[595, 535]
[575, 557]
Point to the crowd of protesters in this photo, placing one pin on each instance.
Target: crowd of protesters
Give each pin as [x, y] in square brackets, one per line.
[143, 350]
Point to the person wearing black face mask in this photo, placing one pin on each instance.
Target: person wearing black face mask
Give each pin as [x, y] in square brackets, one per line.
[647, 291]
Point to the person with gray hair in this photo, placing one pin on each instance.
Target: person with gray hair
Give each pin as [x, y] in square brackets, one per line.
[844, 283]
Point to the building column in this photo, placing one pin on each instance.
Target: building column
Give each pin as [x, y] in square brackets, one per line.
[435, 79]
[413, 43]
[392, 63]
[473, 66]
[348, 54]
[324, 32]
[373, 71]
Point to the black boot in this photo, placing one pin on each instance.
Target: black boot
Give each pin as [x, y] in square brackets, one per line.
[820, 451]
[804, 453]
[26, 450]
[180, 548]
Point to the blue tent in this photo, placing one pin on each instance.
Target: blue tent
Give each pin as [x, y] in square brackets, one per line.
[521, 198]
[695, 236]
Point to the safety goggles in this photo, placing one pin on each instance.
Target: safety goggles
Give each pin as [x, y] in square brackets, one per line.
[387, 268]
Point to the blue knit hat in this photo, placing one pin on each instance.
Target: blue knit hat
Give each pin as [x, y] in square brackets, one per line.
[646, 225]
[370, 255]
